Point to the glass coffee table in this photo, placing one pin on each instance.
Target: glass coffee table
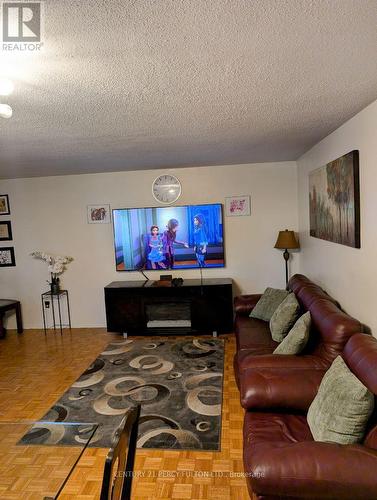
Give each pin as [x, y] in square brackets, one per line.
[33, 467]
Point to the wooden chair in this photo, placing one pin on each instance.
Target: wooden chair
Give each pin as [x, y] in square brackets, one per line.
[118, 471]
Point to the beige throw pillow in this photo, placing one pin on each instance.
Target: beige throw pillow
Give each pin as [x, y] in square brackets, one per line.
[297, 337]
[266, 305]
[284, 317]
[341, 409]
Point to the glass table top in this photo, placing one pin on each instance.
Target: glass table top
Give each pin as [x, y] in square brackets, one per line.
[32, 466]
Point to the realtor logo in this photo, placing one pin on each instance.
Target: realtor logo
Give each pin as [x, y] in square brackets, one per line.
[21, 25]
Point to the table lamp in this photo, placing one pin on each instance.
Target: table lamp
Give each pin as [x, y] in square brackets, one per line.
[286, 239]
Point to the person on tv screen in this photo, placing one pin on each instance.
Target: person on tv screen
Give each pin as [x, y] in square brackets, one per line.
[200, 239]
[155, 255]
[169, 238]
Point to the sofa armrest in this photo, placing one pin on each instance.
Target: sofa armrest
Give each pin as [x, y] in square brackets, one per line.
[279, 388]
[244, 304]
[313, 470]
[248, 360]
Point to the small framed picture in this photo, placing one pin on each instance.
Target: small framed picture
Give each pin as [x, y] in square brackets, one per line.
[5, 230]
[99, 214]
[237, 205]
[4, 204]
[7, 258]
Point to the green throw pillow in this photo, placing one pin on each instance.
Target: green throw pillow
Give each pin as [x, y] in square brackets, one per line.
[341, 409]
[284, 317]
[297, 337]
[266, 305]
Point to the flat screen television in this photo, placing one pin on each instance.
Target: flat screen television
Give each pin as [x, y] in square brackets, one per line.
[174, 237]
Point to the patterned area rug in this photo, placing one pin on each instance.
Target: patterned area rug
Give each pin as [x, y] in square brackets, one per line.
[178, 383]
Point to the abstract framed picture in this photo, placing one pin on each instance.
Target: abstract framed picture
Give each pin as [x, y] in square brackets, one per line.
[237, 205]
[4, 204]
[334, 201]
[5, 230]
[99, 214]
[7, 258]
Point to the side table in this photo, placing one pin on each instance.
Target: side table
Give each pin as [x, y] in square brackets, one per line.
[48, 300]
[9, 305]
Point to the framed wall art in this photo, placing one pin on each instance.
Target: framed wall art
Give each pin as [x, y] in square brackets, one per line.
[5, 230]
[7, 258]
[334, 201]
[99, 214]
[237, 205]
[4, 204]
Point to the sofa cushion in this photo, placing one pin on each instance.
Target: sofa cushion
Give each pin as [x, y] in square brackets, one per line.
[262, 428]
[267, 304]
[297, 337]
[341, 410]
[252, 332]
[283, 462]
[284, 317]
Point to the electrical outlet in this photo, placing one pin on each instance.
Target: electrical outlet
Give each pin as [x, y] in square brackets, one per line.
[47, 304]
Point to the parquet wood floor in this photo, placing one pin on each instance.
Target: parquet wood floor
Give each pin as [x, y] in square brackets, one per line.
[34, 372]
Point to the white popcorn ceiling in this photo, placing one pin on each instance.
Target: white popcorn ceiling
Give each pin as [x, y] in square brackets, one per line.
[143, 84]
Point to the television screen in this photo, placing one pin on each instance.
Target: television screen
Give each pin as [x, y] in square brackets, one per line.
[168, 237]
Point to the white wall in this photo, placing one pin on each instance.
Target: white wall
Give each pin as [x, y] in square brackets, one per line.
[349, 274]
[49, 214]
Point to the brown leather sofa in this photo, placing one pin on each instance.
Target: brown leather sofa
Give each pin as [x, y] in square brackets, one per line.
[283, 462]
[269, 380]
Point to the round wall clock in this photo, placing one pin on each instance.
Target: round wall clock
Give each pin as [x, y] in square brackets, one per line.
[166, 188]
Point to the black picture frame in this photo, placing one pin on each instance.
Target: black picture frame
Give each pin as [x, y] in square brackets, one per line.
[7, 260]
[8, 225]
[4, 201]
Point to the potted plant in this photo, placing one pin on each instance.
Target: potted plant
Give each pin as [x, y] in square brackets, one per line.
[56, 265]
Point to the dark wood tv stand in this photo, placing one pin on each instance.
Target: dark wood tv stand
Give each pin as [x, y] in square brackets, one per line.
[154, 308]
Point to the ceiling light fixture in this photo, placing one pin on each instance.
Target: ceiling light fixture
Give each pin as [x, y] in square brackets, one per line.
[6, 86]
[5, 111]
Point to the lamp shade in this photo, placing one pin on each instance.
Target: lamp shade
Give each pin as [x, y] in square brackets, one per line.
[287, 239]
